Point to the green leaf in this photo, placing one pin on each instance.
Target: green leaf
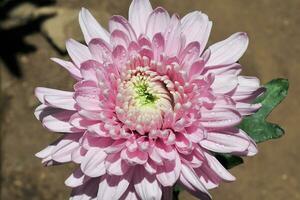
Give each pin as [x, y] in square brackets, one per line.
[256, 125]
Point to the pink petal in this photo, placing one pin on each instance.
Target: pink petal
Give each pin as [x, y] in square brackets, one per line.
[158, 22]
[247, 108]
[120, 23]
[169, 172]
[90, 70]
[208, 177]
[158, 46]
[64, 148]
[224, 143]
[248, 89]
[150, 166]
[78, 52]
[146, 186]
[113, 187]
[45, 152]
[78, 155]
[233, 69]
[90, 27]
[165, 151]
[120, 56]
[139, 12]
[119, 38]
[41, 92]
[228, 51]
[59, 122]
[252, 148]
[196, 27]
[130, 194]
[93, 163]
[184, 183]
[189, 54]
[218, 168]
[220, 118]
[80, 122]
[136, 157]
[87, 191]
[191, 177]
[115, 165]
[100, 50]
[173, 37]
[224, 84]
[61, 101]
[77, 178]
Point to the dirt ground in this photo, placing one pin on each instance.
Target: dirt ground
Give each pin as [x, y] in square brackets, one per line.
[274, 51]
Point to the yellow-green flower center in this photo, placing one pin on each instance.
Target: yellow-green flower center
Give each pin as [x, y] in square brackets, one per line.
[144, 96]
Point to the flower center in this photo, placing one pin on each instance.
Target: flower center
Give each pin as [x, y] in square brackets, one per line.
[143, 99]
[144, 95]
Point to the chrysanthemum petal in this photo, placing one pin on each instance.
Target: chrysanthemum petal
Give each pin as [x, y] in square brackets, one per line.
[168, 173]
[191, 177]
[61, 101]
[64, 148]
[113, 187]
[90, 27]
[173, 37]
[41, 92]
[218, 167]
[224, 83]
[59, 122]
[247, 108]
[100, 50]
[139, 12]
[196, 27]
[120, 23]
[146, 185]
[77, 178]
[220, 118]
[228, 51]
[158, 22]
[115, 165]
[93, 163]
[87, 191]
[248, 89]
[78, 52]
[224, 143]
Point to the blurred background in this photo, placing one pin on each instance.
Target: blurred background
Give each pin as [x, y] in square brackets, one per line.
[33, 31]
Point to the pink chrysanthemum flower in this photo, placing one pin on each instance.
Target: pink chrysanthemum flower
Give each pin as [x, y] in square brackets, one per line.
[150, 106]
